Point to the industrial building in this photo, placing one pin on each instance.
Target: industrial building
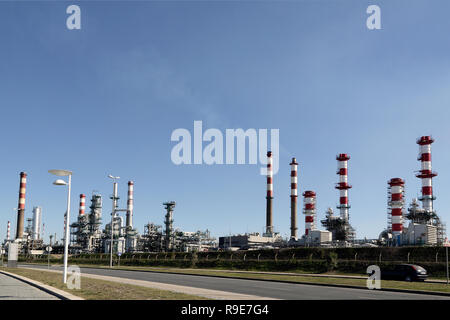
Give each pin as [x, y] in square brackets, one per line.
[425, 226]
[418, 224]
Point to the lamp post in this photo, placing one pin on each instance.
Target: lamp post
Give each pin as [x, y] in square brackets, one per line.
[60, 182]
[113, 213]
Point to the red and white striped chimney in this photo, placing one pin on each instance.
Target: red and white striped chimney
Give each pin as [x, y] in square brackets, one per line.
[396, 201]
[343, 185]
[269, 197]
[294, 165]
[8, 231]
[426, 174]
[21, 205]
[82, 204]
[130, 205]
[309, 210]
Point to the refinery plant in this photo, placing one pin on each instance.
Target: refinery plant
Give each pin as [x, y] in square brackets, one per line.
[418, 224]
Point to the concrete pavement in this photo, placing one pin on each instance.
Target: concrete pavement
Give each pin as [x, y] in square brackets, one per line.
[13, 289]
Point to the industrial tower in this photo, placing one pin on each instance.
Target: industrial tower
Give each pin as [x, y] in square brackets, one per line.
[169, 232]
[396, 190]
[426, 174]
[294, 165]
[309, 211]
[269, 196]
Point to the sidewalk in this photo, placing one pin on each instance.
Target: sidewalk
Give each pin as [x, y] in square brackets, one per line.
[13, 289]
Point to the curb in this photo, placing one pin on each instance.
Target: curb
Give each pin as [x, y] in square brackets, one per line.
[46, 288]
[435, 293]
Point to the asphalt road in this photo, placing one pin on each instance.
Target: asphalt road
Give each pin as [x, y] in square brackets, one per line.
[13, 289]
[277, 290]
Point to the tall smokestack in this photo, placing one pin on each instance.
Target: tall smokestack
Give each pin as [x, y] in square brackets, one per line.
[21, 206]
[343, 185]
[269, 197]
[395, 203]
[130, 205]
[426, 174]
[82, 205]
[8, 231]
[294, 165]
[309, 211]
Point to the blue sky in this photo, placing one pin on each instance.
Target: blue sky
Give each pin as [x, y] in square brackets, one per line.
[106, 98]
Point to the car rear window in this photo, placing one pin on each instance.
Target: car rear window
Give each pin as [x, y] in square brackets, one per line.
[419, 268]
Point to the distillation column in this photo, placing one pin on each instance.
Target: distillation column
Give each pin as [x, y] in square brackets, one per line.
[169, 236]
[37, 219]
[129, 221]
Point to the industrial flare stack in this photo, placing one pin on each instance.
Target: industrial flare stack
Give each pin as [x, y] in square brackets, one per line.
[426, 174]
[309, 211]
[294, 178]
[21, 206]
[395, 207]
[269, 197]
[343, 185]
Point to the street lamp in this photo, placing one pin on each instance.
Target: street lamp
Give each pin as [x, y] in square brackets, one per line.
[113, 213]
[60, 182]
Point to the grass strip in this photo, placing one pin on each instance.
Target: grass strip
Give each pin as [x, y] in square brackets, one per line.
[95, 289]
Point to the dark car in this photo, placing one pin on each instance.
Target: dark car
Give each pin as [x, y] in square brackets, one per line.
[406, 272]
